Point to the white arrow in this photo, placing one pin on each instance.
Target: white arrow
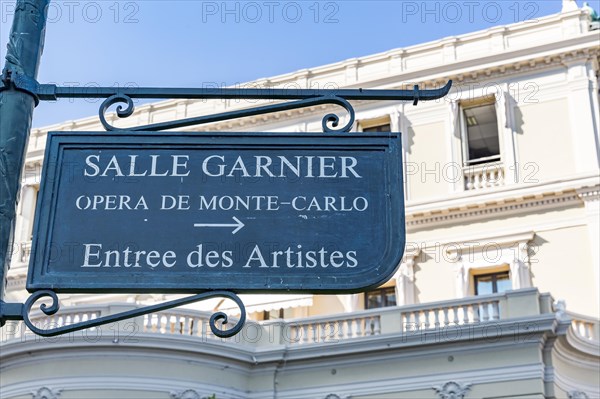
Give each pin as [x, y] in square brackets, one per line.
[238, 225]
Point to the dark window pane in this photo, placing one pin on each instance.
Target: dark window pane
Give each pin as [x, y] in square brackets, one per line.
[374, 300]
[390, 299]
[380, 128]
[482, 133]
[380, 298]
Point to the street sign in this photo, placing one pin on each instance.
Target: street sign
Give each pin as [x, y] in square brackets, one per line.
[245, 212]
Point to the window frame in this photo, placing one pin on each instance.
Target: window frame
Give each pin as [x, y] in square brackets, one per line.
[382, 292]
[373, 123]
[464, 133]
[494, 280]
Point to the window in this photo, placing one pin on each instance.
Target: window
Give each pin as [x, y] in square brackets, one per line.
[480, 134]
[379, 128]
[492, 283]
[378, 124]
[273, 314]
[380, 298]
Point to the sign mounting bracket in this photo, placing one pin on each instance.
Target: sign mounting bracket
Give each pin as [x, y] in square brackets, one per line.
[283, 100]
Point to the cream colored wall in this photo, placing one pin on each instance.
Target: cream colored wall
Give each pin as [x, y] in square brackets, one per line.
[563, 265]
[544, 138]
[325, 304]
[434, 278]
[426, 148]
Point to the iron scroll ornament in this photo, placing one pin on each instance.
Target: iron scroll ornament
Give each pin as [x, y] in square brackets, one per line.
[54, 307]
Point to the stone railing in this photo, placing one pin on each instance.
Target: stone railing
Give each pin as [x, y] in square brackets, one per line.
[484, 176]
[477, 309]
[64, 317]
[404, 320]
[585, 327]
[179, 322]
[334, 328]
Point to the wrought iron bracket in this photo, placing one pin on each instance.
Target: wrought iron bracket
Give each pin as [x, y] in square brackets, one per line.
[17, 312]
[290, 99]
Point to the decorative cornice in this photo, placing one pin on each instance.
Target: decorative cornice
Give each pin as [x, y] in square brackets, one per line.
[490, 209]
[589, 193]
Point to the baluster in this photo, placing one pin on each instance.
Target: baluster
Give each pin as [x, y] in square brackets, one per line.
[175, 324]
[180, 324]
[342, 327]
[436, 316]
[183, 329]
[323, 327]
[336, 326]
[477, 183]
[194, 326]
[168, 324]
[446, 318]
[465, 310]
[359, 328]
[204, 328]
[376, 325]
[315, 332]
[163, 320]
[189, 325]
[456, 320]
[484, 307]
[475, 308]
[146, 323]
[426, 322]
[417, 320]
[495, 310]
[588, 331]
[172, 323]
[305, 333]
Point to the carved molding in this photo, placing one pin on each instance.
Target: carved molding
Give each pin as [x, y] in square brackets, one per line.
[519, 205]
[452, 390]
[46, 393]
[405, 278]
[589, 194]
[190, 394]
[577, 395]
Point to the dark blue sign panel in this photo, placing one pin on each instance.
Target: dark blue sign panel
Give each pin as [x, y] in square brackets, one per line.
[189, 212]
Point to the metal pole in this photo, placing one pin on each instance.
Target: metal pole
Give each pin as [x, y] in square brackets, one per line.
[25, 45]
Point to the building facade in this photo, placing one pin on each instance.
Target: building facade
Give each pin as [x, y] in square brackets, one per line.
[498, 292]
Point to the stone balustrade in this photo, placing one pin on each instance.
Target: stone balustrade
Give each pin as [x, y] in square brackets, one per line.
[405, 320]
[484, 176]
[585, 327]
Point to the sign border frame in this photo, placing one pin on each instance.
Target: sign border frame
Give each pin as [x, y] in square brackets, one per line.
[389, 142]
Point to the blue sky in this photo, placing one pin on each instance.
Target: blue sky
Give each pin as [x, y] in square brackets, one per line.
[195, 43]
